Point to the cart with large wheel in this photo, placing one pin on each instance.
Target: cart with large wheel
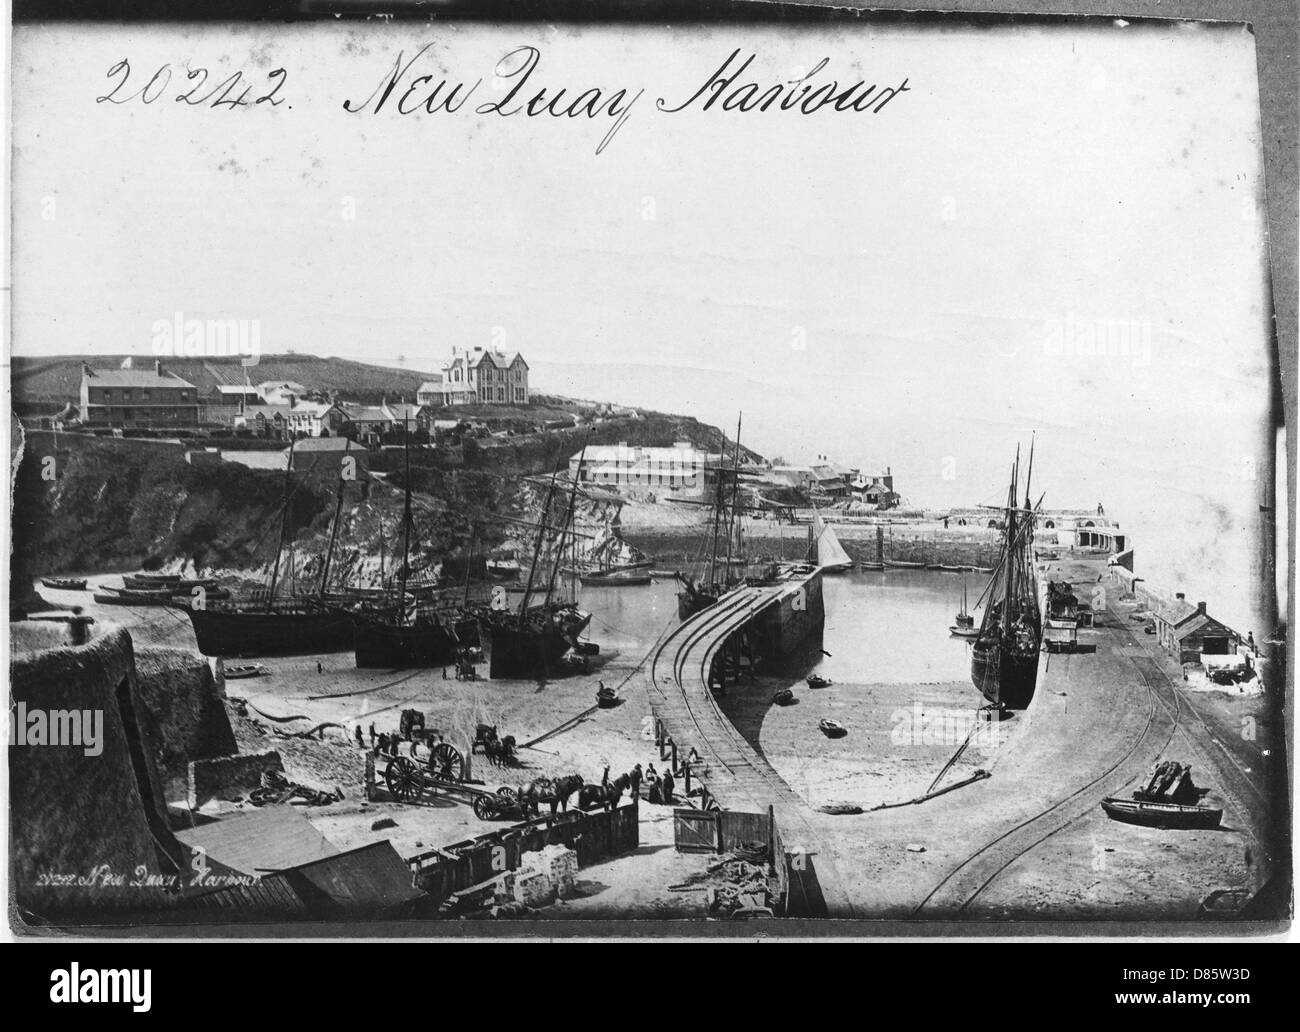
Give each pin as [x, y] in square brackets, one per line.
[408, 779]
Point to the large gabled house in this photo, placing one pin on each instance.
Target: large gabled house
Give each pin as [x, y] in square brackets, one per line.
[483, 377]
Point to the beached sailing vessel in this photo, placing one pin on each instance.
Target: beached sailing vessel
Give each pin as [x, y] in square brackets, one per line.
[724, 563]
[531, 641]
[293, 625]
[1004, 657]
[415, 625]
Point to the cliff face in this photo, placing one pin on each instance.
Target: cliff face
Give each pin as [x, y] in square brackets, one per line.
[85, 503]
[88, 504]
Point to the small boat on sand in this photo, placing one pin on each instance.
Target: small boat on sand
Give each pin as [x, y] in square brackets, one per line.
[606, 697]
[244, 670]
[832, 728]
[1161, 815]
[817, 681]
[783, 698]
[64, 583]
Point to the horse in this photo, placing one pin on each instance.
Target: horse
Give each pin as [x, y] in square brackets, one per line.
[500, 752]
[547, 790]
[564, 788]
[592, 796]
[483, 734]
[531, 793]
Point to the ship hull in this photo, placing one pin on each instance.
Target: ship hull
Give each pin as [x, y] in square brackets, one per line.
[533, 650]
[261, 633]
[380, 644]
[689, 604]
[1004, 677]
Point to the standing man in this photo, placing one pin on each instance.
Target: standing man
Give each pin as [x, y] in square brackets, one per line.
[634, 781]
[668, 787]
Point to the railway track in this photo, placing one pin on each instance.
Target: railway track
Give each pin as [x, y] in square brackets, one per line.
[975, 873]
[737, 774]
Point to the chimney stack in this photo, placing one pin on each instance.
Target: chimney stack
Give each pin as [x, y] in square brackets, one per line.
[1200, 608]
[1180, 596]
[157, 366]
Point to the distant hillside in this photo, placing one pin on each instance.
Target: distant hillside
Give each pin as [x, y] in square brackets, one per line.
[40, 384]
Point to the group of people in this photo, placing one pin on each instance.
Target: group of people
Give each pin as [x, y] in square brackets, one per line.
[660, 787]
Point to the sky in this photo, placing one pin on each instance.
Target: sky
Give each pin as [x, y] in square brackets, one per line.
[1056, 229]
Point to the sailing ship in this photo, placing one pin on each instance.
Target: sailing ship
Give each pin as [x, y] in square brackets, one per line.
[1004, 658]
[415, 626]
[824, 548]
[718, 574]
[295, 625]
[611, 560]
[965, 625]
[531, 641]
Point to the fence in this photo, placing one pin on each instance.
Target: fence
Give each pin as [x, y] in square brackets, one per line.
[724, 831]
[594, 836]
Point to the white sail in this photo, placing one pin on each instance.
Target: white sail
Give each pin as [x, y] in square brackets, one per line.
[830, 553]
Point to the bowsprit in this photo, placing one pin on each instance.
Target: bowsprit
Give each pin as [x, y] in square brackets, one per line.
[518, 65]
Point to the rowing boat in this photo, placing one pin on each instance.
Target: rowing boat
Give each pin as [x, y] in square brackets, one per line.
[1161, 815]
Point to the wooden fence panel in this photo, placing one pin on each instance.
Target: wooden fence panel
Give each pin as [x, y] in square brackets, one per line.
[742, 829]
[695, 831]
[594, 836]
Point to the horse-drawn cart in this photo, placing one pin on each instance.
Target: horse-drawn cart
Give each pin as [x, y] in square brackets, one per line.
[408, 779]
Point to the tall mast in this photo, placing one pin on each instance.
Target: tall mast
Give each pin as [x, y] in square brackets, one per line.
[731, 514]
[568, 521]
[284, 519]
[473, 536]
[334, 526]
[1008, 548]
[718, 496]
[406, 525]
[1030, 474]
[537, 543]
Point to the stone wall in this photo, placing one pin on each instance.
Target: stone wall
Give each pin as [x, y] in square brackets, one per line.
[229, 777]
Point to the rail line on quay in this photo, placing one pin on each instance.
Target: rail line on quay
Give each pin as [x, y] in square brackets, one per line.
[983, 866]
[736, 774]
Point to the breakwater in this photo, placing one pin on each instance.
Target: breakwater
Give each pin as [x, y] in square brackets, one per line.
[960, 546]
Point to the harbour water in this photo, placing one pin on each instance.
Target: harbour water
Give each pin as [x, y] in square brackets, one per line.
[886, 627]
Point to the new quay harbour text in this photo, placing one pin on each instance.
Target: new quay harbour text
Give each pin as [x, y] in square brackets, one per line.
[516, 90]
